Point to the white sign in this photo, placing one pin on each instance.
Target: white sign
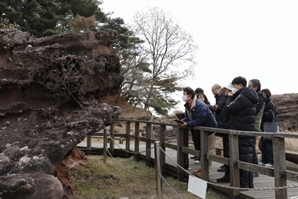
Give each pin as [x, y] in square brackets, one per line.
[197, 186]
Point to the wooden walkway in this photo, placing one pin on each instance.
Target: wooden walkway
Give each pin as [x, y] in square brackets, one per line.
[261, 181]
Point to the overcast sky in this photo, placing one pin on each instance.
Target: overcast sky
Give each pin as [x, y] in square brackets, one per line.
[251, 38]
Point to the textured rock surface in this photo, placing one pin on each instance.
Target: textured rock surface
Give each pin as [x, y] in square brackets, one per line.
[287, 111]
[50, 98]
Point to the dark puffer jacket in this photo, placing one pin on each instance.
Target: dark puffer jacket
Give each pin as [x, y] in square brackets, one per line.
[269, 112]
[243, 114]
[243, 109]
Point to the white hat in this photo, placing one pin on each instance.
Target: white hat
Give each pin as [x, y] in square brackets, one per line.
[231, 88]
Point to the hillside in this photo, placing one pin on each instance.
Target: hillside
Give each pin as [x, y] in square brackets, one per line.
[127, 110]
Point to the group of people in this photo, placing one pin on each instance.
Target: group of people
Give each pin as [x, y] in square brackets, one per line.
[238, 106]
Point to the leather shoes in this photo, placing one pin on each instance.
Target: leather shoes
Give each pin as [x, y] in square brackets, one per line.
[223, 180]
[250, 185]
[198, 173]
[244, 186]
[221, 169]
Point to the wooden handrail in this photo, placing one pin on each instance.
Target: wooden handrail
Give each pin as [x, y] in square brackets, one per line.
[279, 171]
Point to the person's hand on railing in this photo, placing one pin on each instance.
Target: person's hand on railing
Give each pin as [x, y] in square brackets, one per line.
[181, 123]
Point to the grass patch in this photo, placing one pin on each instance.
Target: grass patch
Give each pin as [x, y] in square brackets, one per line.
[133, 180]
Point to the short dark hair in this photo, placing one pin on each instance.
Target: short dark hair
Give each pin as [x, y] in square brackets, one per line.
[239, 80]
[189, 91]
[199, 90]
[256, 83]
[267, 92]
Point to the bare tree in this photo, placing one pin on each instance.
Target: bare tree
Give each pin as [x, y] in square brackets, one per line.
[170, 50]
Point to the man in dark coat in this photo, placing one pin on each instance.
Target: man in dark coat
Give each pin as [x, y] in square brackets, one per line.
[219, 94]
[255, 84]
[243, 114]
[197, 113]
[223, 121]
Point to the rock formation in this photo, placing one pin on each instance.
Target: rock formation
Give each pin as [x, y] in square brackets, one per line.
[50, 98]
[286, 111]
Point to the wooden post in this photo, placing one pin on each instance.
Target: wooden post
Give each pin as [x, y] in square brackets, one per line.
[182, 158]
[148, 143]
[137, 141]
[162, 139]
[279, 167]
[127, 137]
[89, 142]
[105, 141]
[112, 144]
[157, 169]
[204, 151]
[234, 158]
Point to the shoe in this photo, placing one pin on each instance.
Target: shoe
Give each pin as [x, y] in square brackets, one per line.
[261, 163]
[197, 161]
[250, 185]
[222, 169]
[223, 180]
[194, 157]
[255, 175]
[268, 165]
[244, 186]
[198, 173]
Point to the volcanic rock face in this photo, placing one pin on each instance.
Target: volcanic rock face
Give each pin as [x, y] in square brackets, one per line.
[50, 94]
[286, 111]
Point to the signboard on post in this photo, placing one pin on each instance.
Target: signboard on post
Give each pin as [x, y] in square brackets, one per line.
[197, 186]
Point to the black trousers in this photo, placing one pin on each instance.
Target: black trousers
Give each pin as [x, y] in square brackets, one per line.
[196, 139]
[267, 150]
[225, 142]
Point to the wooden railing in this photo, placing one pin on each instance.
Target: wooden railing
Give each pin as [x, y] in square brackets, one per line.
[279, 172]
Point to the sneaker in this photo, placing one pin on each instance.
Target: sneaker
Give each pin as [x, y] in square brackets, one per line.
[256, 175]
[194, 157]
[223, 180]
[197, 161]
[268, 165]
[261, 163]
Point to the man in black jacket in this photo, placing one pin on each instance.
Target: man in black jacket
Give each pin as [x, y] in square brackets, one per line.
[255, 84]
[219, 94]
[223, 121]
[243, 115]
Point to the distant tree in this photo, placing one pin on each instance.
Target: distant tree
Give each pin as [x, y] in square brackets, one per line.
[5, 25]
[83, 23]
[132, 59]
[170, 52]
[48, 17]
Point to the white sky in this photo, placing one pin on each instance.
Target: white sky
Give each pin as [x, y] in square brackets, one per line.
[251, 38]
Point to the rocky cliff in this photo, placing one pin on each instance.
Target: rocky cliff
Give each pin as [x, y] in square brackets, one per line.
[286, 111]
[50, 98]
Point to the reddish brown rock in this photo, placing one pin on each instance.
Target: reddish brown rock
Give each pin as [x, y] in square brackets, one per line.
[51, 91]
